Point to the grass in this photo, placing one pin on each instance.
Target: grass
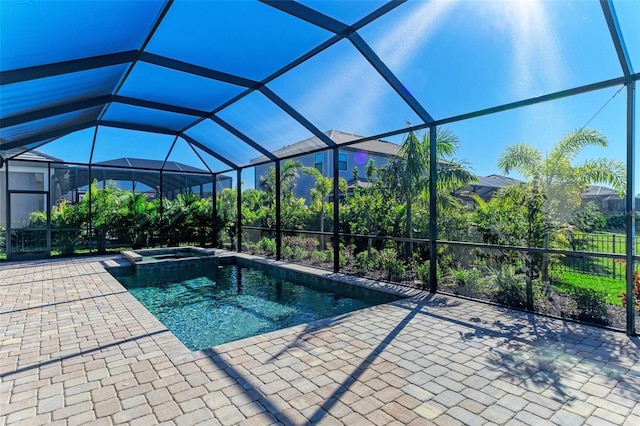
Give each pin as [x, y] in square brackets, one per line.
[566, 281]
[600, 242]
[603, 242]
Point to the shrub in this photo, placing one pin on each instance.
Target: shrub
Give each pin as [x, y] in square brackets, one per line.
[346, 254]
[308, 244]
[510, 287]
[368, 260]
[589, 218]
[287, 252]
[470, 281]
[590, 304]
[266, 245]
[423, 271]
[300, 253]
[319, 256]
[389, 261]
[636, 290]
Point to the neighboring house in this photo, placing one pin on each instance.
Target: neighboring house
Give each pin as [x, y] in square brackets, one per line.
[349, 157]
[27, 178]
[607, 200]
[485, 187]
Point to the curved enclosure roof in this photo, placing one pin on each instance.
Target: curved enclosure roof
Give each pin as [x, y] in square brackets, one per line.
[217, 84]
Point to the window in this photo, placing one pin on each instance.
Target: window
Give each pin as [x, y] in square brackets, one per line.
[318, 161]
[342, 161]
[30, 181]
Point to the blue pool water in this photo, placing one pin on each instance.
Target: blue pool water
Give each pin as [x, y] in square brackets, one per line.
[208, 309]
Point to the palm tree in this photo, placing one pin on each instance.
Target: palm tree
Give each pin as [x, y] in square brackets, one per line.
[319, 193]
[289, 173]
[408, 173]
[563, 182]
[135, 214]
[177, 216]
[104, 211]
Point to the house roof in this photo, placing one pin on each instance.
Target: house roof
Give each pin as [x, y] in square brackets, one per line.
[495, 181]
[339, 137]
[37, 156]
[600, 191]
[486, 186]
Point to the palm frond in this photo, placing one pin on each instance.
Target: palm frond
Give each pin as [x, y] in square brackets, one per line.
[447, 142]
[575, 141]
[522, 158]
[606, 171]
[481, 204]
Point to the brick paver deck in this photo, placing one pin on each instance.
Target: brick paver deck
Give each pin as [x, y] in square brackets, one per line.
[77, 348]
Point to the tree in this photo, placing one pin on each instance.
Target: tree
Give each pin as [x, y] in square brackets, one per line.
[226, 213]
[515, 216]
[408, 173]
[370, 210]
[104, 211]
[293, 212]
[66, 221]
[561, 181]
[319, 195]
[202, 221]
[135, 212]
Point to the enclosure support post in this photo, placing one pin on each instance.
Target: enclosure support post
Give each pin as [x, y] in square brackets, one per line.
[161, 192]
[239, 212]
[278, 189]
[336, 211]
[90, 230]
[631, 208]
[48, 207]
[7, 241]
[93, 147]
[214, 211]
[433, 211]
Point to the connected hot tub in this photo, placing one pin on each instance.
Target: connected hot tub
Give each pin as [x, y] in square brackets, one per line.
[170, 258]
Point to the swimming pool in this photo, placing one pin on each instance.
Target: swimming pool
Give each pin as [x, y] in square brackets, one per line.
[208, 308]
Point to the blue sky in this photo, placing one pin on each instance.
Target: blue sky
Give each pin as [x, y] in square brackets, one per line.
[453, 57]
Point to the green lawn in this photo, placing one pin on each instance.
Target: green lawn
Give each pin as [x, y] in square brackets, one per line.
[607, 242]
[566, 281]
[599, 242]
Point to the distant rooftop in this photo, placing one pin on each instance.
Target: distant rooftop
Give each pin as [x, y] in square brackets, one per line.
[600, 191]
[37, 156]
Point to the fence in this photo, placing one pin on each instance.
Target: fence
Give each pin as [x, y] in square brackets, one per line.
[597, 243]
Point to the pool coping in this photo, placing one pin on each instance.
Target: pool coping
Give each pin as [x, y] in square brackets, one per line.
[180, 354]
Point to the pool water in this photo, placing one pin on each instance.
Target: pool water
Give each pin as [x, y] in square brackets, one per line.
[208, 308]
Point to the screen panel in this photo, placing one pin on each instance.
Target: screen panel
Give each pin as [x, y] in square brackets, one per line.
[221, 141]
[164, 85]
[348, 94]
[36, 33]
[241, 38]
[457, 57]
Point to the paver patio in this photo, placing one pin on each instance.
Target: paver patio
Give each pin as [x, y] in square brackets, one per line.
[77, 348]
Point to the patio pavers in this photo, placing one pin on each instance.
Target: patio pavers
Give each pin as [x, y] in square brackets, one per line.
[77, 348]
